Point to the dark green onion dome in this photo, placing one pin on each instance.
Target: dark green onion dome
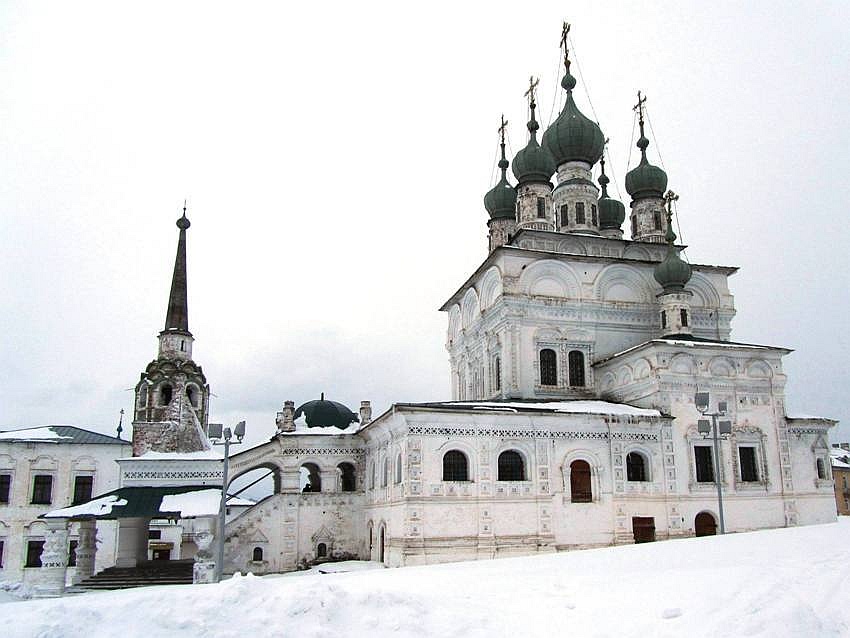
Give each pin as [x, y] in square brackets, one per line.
[612, 213]
[645, 180]
[672, 273]
[500, 201]
[322, 413]
[573, 137]
[533, 163]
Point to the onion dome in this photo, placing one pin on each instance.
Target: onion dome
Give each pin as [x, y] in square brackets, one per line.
[672, 273]
[533, 163]
[323, 413]
[573, 137]
[612, 213]
[645, 180]
[500, 201]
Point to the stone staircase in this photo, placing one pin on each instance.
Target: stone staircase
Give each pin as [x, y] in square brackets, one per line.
[155, 572]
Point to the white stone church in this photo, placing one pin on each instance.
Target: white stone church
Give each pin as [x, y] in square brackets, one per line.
[575, 358]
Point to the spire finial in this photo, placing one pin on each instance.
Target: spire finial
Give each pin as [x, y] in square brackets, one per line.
[603, 178]
[503, 163]
[177, 317]
[642, 142]
[532, 104]
[565, 32]
[669, 198]
[120, 429]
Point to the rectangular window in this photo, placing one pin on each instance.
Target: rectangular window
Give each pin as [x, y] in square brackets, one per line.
[657, 219]
[541, 208]
[579, 213]
[82, 489]
[34, 549]
[42, 489]
[684, 315]
[1, 553]
[749, 469]
[154, 534]
[5, 487]
[634, 226]
[845, 482]
[72, 554]
[593, 217]
[663, 318]
[705, 466]
[565, 215]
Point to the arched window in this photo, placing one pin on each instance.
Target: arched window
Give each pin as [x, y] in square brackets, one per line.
[580, 491]
[455, 466]
[576, 364]
[548, 367]
[635, 467]
[321, 550]
[257, 555]
[385, 473]
[192, 395]
[311, 478]
[164, 394]
[398, 469]
[347, 479]
[511, 466]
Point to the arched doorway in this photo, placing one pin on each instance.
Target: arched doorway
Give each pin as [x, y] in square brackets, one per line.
[705, 525]
[381, 546]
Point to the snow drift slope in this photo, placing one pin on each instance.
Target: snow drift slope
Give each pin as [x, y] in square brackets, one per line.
[787, 582]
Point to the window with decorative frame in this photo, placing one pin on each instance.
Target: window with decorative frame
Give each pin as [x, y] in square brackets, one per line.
[42, 489]
[548, 367]
[455, 466]
[575, 362]
[749, 468]
[541, 208]
[704, 463]
[511, 466]
[565, 215]
[637, 467]
[5, 487]
[580, 213]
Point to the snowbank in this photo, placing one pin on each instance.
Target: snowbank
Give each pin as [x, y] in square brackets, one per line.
[786, 582]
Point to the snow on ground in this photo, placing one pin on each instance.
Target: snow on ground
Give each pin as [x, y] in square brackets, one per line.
[785, 582]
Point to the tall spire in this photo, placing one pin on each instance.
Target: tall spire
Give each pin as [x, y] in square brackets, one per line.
[177, 317]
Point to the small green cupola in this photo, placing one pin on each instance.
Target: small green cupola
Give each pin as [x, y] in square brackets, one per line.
[612, 213]
[533, 163]
[500, 201]
[645, 180]
[573, 137]
[672, 273]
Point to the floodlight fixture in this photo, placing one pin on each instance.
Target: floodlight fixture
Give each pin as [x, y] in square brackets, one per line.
[725, 427]
[240, 430]
[701, 401]
[722, 408]
[704, 426]
[227, 434]
[214, 430]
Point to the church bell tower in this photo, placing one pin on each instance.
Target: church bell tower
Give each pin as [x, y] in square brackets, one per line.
[172, 396]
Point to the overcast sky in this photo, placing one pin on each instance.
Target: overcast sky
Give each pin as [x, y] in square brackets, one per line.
[335, 157]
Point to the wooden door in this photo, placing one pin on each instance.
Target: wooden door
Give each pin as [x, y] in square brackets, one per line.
[643, 528]
[704, 524]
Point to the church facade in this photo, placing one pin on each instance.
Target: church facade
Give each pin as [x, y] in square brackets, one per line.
[575, 358]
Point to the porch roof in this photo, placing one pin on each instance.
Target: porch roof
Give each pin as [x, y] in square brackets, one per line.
[180, 501]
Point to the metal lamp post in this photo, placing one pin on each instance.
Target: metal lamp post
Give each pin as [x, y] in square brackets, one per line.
[215, 432]
[717, 431]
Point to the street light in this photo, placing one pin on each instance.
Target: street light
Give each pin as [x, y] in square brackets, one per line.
[215, 432]
[716, 430]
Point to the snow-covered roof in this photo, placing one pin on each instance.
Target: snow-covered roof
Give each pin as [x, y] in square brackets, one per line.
[60, 434]
[151, 502]
[840, 458]
[561, 407]
[689, 341]
[302, 429]
[806, 417]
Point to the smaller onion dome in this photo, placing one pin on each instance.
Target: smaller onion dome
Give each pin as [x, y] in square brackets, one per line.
[323, 413]
[645, 180]
[672, 273]
[500, 201]
[612, 213]
[533, 163]
[573, 137]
